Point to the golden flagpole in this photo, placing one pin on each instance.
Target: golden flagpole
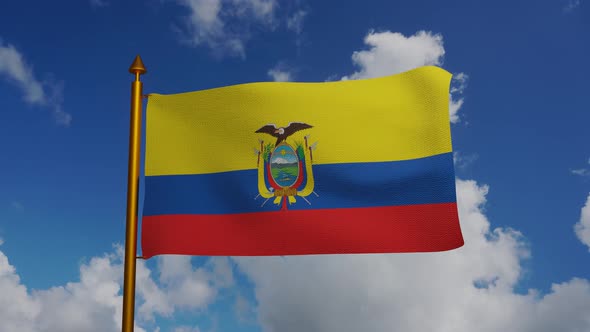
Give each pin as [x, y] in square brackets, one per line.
[137, 68]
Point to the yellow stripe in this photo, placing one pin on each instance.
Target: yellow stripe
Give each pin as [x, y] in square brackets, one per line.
[398, 117]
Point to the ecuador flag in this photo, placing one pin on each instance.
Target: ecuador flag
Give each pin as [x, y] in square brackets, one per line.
[272, 168]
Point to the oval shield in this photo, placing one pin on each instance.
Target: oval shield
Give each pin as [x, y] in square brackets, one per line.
[284, 165]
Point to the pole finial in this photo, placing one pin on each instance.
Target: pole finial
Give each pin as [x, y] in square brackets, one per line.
[137, 66]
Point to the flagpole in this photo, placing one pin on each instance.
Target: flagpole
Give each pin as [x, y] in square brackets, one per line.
[137, 68]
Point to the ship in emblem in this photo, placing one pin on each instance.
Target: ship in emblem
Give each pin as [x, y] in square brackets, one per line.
[285, 170]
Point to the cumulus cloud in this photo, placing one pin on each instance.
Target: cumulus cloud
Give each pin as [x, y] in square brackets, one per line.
[582, 228]
[17, 308]
[185, 287]
[392, 53]
[472, 288]
[94, 302]
[223, 25]
[14, 68]
[468, 289]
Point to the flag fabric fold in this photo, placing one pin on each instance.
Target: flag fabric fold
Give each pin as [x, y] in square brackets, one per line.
[285, 168]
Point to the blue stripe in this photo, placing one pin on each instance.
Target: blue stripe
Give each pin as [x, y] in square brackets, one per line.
[418, 181]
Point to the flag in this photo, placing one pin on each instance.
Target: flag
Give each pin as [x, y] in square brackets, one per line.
[281, 168]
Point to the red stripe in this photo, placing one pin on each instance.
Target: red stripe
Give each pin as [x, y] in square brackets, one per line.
[411, 228]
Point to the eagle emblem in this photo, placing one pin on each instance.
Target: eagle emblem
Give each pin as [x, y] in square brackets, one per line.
[284, 169]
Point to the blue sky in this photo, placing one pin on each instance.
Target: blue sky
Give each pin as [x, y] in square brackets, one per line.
[520, 129]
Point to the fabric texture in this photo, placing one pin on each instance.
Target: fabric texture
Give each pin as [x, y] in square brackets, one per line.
[283, 168]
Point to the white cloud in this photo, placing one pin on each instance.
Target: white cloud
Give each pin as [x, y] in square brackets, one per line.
[14, 68]
[94, 302]
[295, 22]
[391, 53]
[192, 288]
[461, 81]
[462, 160]
[468, 289]
[155, 300]
[582, 228]
[581, 171]
[205, 25]
[17, 308]
[472, 288]
[244, 310]
[458, 86]
[280, 75]
[260, 9]
[222, 272]
[223, 25]
[281, 72]
[571, 6]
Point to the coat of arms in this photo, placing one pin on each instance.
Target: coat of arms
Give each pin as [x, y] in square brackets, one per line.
[284, 169]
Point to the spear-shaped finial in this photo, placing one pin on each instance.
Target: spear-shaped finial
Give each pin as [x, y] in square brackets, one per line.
[137, 67]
